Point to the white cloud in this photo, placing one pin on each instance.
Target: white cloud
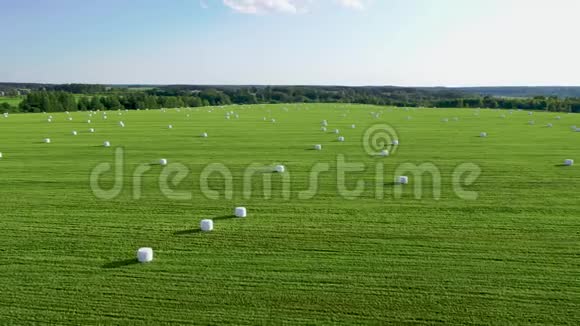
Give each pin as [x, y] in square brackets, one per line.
[285, 6]
[267, 6]
[352, 4]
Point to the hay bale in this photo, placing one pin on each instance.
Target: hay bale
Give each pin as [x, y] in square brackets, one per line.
[318, 147]
[69, 118]
[531, 122]
[384, 153]
[324, 123]
[49, 120]
[145, 255]
[74, 133]
[107, 144]
[89, 121]
[569, 162]
[206, 225]
[1, 155]
[92, 130]
[341, 138]
[483, 134]
[121, 124]
[558, 117]
[395, 142]
[170, 127]
[279, 169]
[336, 131]
[445, 120]
[353, 126]
[163, 161]
[323, 129]
[240, 212]
[204, 135]
[549, 125]
[47, 140]
[402, 180]
[273, 120]
[5, 114]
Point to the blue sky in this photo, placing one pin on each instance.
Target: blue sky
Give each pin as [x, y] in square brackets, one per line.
[322, 42]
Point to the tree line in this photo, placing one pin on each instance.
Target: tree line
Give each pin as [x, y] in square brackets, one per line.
[79, 97]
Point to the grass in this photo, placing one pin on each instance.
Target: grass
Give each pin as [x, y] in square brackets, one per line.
[509, 257]
[12, 100]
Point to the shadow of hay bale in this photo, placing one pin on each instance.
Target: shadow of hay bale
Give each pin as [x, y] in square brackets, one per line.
[121, 263]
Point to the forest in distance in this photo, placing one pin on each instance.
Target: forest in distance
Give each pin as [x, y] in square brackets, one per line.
[85, 97]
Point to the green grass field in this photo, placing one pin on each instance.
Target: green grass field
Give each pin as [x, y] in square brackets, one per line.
[512, 256]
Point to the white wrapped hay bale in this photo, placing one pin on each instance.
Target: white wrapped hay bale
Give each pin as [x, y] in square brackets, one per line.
[353, 126]
[336, 131]
[204, 135]
[88, 121]
[106, 144]
[5, 114]
[69, 119]
[402, 180]
[483, 134]
[384, 153]
[530, 113]
[569, 162]
[395, 142]
[279, 169]
[531, 122]
[47, 140]
[206, 225]
[74, 133]
[318, 147]
[49, 120]
[145, 255]
[163, 161]
[1, 155]
[445, 120]
[170, 127]
[121, 124]
[341, 139]
[324, 123]
[273, 120]
[240, 212]
[549, 125]
[323, 129]
[558, 117]
[92, 130]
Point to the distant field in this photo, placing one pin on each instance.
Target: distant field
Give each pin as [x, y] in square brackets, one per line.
[14, 101]
[511, 256]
